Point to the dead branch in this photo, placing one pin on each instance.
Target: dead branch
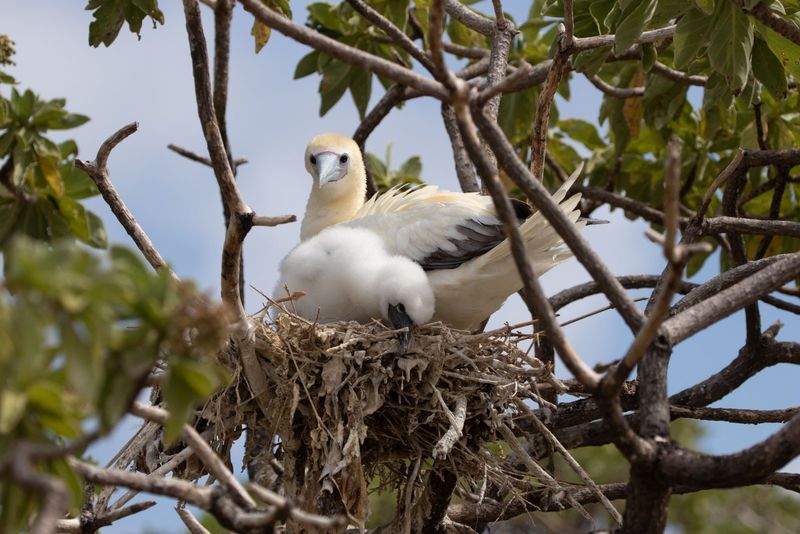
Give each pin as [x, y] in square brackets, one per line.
[98, 172]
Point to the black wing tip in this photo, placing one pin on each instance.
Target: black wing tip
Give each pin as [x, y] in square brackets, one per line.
[589, 221]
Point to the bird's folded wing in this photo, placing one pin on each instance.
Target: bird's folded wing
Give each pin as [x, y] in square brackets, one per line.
[437, 229]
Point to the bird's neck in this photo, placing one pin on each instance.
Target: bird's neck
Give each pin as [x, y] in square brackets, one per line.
[324, 210]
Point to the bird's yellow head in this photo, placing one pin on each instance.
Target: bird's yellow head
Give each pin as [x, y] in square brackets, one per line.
[340, 182]
[334, 162]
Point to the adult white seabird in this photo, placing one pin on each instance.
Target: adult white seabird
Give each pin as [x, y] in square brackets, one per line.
[347, 275]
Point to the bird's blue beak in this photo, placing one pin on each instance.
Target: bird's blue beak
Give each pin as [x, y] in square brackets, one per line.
[329, 168]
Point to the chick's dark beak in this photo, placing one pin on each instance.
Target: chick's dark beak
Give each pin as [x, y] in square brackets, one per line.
[400, 319]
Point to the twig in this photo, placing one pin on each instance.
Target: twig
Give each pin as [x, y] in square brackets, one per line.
[613, 512]
[453, 434]
[464, 169]
[201, 448]
[78, 525]
[297, 515]
[678, 76]
[98, 172]
[682, 466]
[743, 225]
[725, 302]
[598, 41]
[617, 92]
[719, 180]
[393, 96]
[469, 18]
[545, 102]
[263, 220]
[191, 522]
[167, 467]
[188, 154]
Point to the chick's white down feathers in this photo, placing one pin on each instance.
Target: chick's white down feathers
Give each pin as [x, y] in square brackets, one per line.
[457, 238]
[347, 275]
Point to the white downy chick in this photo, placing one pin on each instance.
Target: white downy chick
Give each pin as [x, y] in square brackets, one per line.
[347, 275]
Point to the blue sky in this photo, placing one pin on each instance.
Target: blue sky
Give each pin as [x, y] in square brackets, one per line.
[270, 120]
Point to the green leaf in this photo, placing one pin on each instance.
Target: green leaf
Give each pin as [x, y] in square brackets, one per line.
[261, 33]
[706, 6]
[68, 148]
[649, 56]
[768, 69]
[7, 78]
[633, 20]
[70, 120]
[361, 88]
[690, 36]
[187, 384]
[324, 14]
[98, 238]
[730, 44]
[12, 408]
[376, 167]
[662, 100]
[787, 52]
[307, 65]
[591, 61]
[335, 80]
[412, 167]
[110, 15]
[9, 213]
[108, 21]
[583, 132]
[23, 105]
[51, 174]
[77, 183]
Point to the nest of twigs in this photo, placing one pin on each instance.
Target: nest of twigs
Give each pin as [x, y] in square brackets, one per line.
[348, 411]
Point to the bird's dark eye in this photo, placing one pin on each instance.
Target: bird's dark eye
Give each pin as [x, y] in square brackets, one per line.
[343, 158]
[312, 159]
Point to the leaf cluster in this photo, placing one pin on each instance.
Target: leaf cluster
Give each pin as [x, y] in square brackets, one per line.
[82, 334]
[40, 187]
[385, 177]
[110, 15]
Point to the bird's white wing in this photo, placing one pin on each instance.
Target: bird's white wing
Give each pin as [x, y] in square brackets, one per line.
[437, 229]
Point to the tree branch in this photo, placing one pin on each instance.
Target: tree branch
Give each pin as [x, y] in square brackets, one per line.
[343, 52]
[98, 172]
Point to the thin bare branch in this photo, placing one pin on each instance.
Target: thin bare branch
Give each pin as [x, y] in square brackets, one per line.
[191, 522]
[545, 103]
[616, 92]
[82, 526]
[468, 17]
[734, 298]
[464, 169]
[678, 76]
[188, 154]
[98, 172]
[598, 41]
[201, 448]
